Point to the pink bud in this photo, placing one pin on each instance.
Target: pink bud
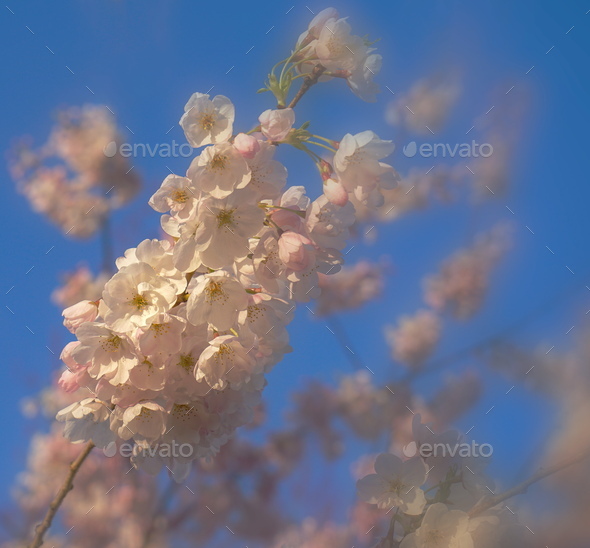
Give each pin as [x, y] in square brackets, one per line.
[287, 219]
[68, 381]
[276, 124]
[296, 251]
[335, 192]
[247, 145]
[77, 314]
[66, 355]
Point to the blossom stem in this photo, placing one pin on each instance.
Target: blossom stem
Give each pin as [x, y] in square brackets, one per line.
[67, 486]
[491, 501]
[308, 82]
[321, 145]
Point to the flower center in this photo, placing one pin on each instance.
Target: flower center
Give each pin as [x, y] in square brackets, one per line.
[396, 486]
[207, 121]
[179, 195]
[139, 301]
[112, 344]
[218, 162]
[225, 218]
[186, 361]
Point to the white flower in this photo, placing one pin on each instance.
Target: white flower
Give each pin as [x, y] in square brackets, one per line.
[360, 80]
[442, 528]
[216, 299]
[207, 121]
[268, 177]
[328, 223]
[111, 355]
[319, 21]
[87, 420]
[192, 239]
[159, 255]
[357, 163]
[149, 373]
[268, 266]
[219, 170]
[395, 483]
[229, 223]
[337, 49]
[176, 195]
[163, 336]
[276, 124]
[135, 296]
[225, 361]
[142, 421]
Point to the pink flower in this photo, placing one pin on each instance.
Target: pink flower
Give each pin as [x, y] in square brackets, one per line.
[335, 192]
[77, 314]
[67, 358]
[276, 124]
[68, 381]
[296, 251]
[247, 145]
[287, 219]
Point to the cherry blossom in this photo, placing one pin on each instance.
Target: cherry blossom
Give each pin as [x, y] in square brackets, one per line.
[206, 121]
[395, 483]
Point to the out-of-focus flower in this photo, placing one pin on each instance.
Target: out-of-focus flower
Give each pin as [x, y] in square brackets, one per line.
[414, 338]
[395, 483]
[350, 288]
[79, 285]
[462, 283]
[90, 178]
[426, 105]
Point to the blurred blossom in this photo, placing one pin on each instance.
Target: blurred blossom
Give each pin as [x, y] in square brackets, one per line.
[426, 105]
[78, 176]
[461, 285]
[79, 285]
[313, 535]
[413, 340]
[350, 288]
[415, 191]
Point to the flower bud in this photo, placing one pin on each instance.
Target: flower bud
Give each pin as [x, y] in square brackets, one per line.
[79, 313]
[335, 192]
[276, 124]
[247, 145]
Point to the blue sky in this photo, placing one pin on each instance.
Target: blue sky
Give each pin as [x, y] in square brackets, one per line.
[144, 59]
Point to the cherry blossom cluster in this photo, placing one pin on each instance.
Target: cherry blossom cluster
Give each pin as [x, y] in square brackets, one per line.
[431, 495]
[350, 288]
[177, 347]
[328, 49]
[462, 282]
[77, 177]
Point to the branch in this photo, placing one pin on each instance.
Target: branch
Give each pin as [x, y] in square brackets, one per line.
[491, 501]
[67, 486]
[308, 81]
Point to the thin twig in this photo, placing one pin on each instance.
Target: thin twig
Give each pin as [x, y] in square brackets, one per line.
[67, 486]
[309, 81]
[491, 501]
